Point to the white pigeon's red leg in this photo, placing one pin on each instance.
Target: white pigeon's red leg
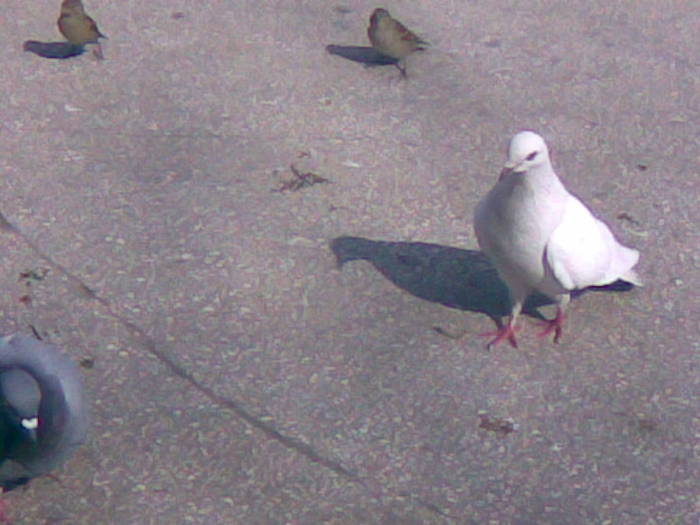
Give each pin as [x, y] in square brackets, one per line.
[504, 332]
[555, 325]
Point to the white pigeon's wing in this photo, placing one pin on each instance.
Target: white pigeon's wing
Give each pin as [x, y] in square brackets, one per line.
[582, 250]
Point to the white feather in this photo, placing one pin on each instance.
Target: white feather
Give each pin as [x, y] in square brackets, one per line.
[582, 251]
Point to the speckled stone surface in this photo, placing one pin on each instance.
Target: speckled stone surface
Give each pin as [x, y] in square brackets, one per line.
[239, 375]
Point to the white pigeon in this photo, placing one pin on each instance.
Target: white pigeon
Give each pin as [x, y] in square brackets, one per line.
[541, 238]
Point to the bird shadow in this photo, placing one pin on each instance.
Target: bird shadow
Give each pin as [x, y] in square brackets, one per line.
[463, 279]
[58, 50]
[362, 54]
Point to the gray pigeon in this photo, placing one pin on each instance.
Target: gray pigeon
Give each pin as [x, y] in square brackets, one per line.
[541, 238]
[43, 411]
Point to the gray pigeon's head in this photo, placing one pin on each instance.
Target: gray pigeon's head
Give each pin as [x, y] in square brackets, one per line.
[527, 150]
[43, 411]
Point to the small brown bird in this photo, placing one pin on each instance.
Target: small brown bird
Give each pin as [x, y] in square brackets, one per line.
[78, 27]
[391, 38]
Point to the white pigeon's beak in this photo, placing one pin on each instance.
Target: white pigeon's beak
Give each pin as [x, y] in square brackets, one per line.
[508, 168]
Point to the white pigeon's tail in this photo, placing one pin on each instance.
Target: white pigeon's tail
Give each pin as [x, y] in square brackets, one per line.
[632, 277]
[622, 265]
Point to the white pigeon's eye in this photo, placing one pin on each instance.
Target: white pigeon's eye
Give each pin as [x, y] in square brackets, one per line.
[30, 424]
[531, 156]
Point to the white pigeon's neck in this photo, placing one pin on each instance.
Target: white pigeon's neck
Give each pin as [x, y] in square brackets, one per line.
[543, 176]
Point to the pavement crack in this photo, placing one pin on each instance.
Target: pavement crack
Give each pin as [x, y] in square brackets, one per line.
[152, 348]
[149, 345]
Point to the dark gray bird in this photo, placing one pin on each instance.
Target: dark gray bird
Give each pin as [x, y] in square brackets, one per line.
[43, 411]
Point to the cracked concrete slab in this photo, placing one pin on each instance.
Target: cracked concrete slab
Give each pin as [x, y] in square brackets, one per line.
[238, 375]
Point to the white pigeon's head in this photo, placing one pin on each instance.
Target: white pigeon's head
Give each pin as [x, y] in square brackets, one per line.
[527, 150]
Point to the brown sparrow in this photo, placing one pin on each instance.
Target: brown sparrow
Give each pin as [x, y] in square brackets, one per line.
[78, 27]
[391, 38]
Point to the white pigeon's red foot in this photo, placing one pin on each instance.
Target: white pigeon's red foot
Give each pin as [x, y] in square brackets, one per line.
[507, 331]
[555, 325]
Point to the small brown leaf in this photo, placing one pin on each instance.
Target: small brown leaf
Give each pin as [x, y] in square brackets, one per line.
[497, 424]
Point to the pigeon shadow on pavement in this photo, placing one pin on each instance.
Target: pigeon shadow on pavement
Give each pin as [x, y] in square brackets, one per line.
[363, 54]
[463, 279]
